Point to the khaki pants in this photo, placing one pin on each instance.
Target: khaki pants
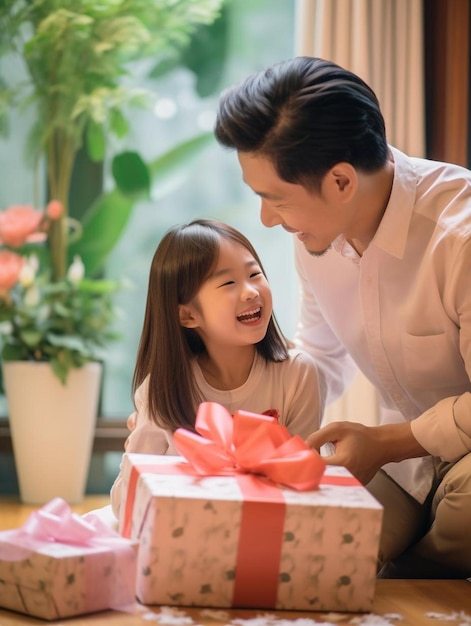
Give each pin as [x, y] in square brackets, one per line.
[430, 540]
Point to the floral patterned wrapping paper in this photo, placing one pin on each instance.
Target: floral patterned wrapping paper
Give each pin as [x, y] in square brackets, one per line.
[57, 580]
[189, 531]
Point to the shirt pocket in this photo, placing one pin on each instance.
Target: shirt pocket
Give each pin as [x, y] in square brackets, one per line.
[432, 361]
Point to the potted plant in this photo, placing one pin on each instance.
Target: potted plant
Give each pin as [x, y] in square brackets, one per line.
[64, 321]
[56, 310]
[52, 331]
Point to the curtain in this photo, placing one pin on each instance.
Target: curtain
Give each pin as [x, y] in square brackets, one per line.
[382, 42]
[447, 30]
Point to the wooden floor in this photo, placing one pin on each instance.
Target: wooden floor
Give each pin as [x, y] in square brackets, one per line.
[397, 602]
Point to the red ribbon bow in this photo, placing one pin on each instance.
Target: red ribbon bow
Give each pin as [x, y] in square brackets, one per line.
[248, 443]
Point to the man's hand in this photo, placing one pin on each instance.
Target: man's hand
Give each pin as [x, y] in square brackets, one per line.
[363, 450]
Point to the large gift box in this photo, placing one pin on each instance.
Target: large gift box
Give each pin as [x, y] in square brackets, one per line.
[59, 564]
[243, 538]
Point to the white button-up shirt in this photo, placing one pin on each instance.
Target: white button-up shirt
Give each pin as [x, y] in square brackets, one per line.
[402, 312]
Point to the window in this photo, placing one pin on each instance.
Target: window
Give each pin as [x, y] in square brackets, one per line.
[260, 32]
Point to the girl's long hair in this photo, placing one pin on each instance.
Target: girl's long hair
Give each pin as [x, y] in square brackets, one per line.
[182, 262]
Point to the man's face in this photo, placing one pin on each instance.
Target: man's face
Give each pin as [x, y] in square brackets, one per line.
[314, 217]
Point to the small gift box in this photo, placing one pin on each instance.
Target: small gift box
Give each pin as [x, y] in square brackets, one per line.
[251, 518]
[59, 564]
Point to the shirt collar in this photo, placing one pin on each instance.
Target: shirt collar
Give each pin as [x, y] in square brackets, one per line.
[393, 229]
[342, 246]
[391, 235]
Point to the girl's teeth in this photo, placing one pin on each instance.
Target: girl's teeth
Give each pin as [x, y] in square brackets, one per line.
[249, 316]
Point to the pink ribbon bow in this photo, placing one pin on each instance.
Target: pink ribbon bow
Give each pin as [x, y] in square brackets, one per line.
[248, 443]
[55, 522]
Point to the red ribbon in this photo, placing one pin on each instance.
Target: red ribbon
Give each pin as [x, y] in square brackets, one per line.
[248, 443]
[226, 446]
[260, 542]
[252, 448]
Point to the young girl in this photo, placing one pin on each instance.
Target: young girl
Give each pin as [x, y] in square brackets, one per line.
[209, 334]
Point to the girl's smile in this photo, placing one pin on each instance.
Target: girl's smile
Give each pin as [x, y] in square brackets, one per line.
[233, 306]
[231, 312]
[250, 317]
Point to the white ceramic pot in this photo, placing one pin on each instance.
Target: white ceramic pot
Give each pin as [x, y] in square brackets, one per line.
[52, 428]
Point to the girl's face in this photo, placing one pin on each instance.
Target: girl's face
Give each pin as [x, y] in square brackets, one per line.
[234, 305]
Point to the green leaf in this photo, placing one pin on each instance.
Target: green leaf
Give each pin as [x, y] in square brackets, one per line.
[98, 286]
[206, 55]
[103, 225]
[95, 141]
[13, 352]
[31, 337]
[105, 221]
[71, 342]
[118, 123]
[175, 162]
[165, 65]
[60, 370]
[131, 174]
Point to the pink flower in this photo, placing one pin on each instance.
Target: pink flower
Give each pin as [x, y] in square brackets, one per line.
[38, 237]
[54, 210]
[10, 268]
[18, 223]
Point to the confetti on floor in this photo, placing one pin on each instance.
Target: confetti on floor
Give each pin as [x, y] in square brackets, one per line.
[336, 617]
[267, 620]
[169, 616]
[215, 614]
[371, 619]
[333, 619]
[451, 617]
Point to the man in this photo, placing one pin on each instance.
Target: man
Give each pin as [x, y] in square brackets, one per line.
[383, 253]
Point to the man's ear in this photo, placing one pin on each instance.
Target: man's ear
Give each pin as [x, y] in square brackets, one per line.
[341, 182]
[187, 316]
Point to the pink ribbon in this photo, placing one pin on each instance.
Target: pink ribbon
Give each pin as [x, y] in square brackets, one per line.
[248, 443]
[55, 522]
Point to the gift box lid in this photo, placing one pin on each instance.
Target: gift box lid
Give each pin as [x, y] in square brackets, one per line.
[170, 477]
